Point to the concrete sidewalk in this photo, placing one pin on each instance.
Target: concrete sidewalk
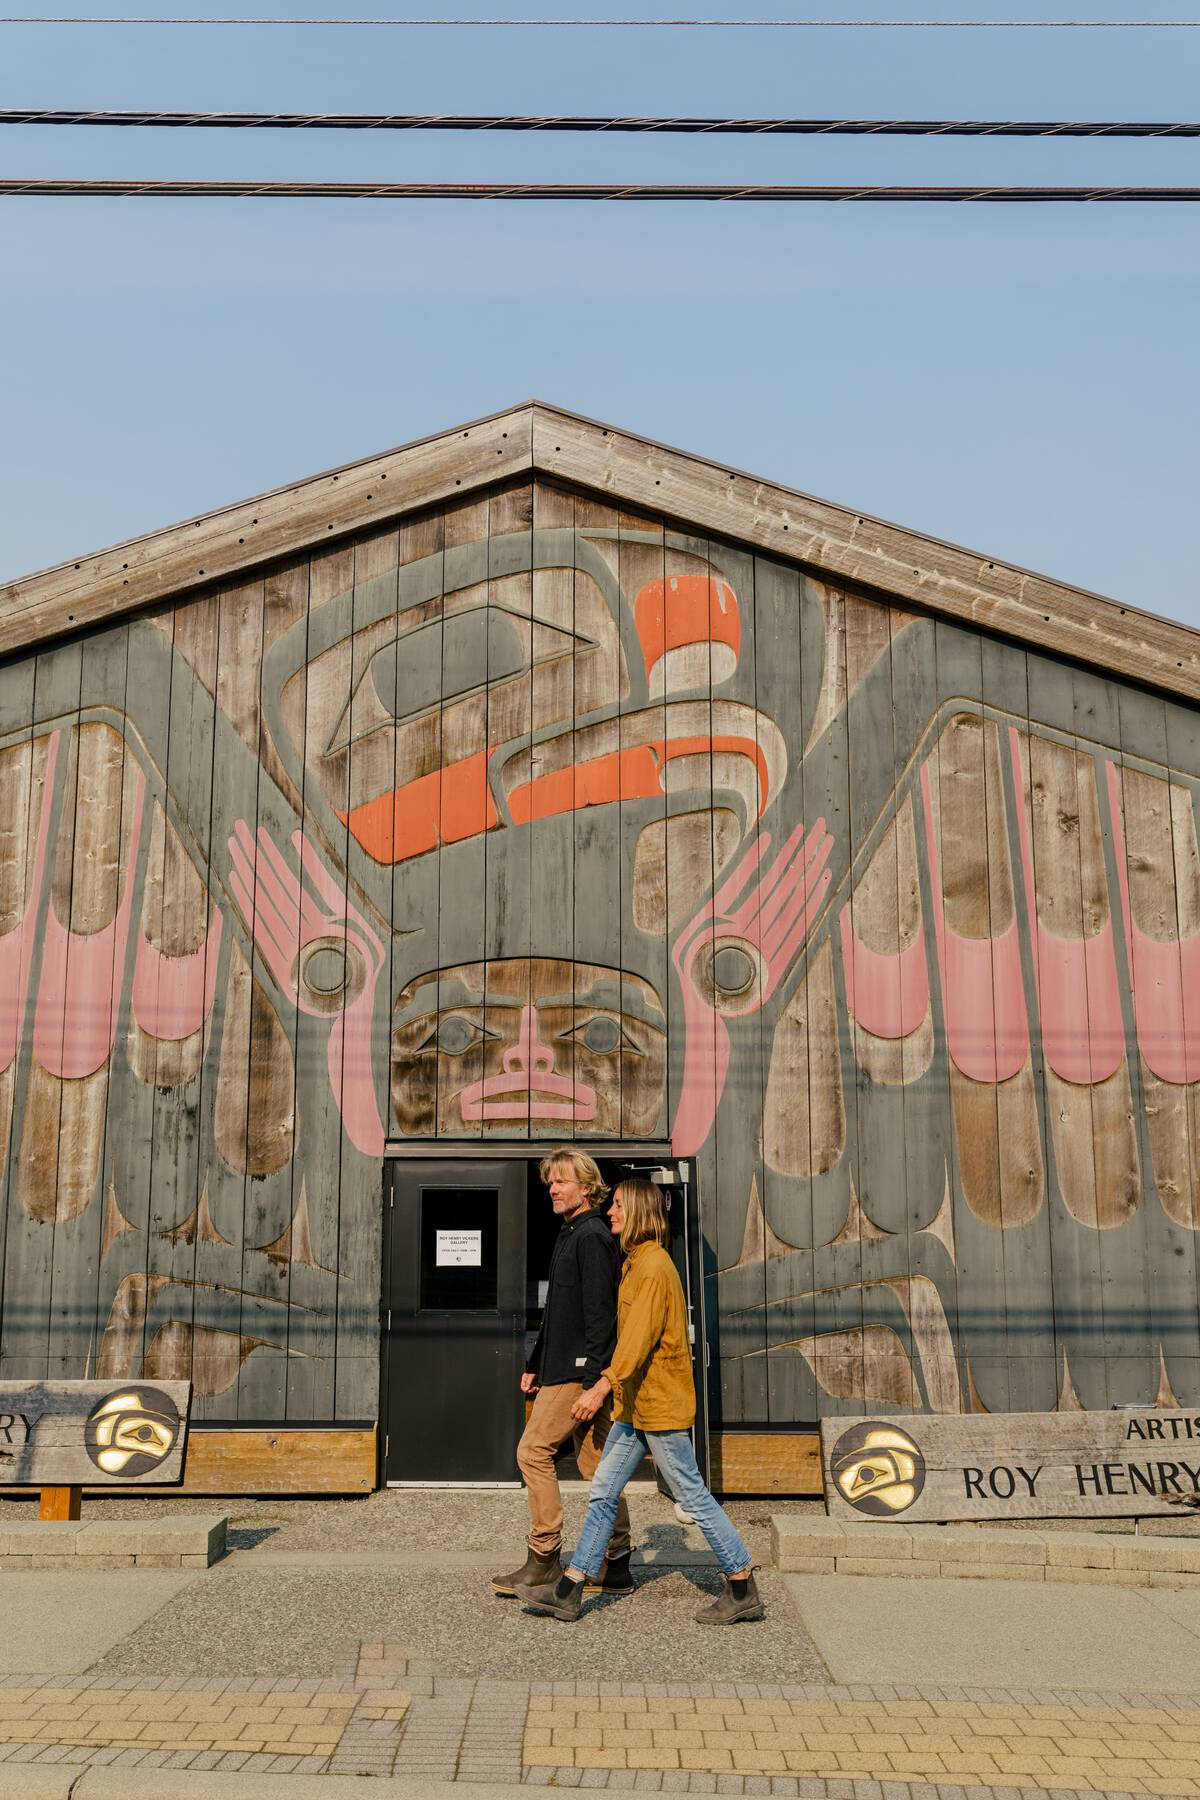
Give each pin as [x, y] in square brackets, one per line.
[411, 1731]
[88, 1614]
[1009, 1634]
[283, 1673]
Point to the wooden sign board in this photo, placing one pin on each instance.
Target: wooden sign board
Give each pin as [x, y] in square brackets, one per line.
[923, 1467]
[93, 1433]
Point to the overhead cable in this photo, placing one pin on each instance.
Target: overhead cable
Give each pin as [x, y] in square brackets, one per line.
[453, 190]
[1020, 128]
[627, 24]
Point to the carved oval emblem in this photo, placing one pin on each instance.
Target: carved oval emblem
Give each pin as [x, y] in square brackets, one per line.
[132, 1432]
[878, 1469]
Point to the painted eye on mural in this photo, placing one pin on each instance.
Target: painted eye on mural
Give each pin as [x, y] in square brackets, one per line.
[602, 1035]
[456, 1035]
[332, 973]
[733, 969]
[728, 972]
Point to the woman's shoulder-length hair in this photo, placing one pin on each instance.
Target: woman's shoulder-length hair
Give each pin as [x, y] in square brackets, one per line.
[645, 1209]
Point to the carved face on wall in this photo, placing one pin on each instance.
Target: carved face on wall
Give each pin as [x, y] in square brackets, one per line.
[535, 1043]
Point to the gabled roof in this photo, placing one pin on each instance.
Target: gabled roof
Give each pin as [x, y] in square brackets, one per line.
[534, 438]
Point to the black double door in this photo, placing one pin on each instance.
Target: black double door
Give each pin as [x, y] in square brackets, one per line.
[454, 1299]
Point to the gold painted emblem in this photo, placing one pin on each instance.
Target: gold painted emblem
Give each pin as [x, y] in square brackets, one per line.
[132, 1432]
[877, 1468]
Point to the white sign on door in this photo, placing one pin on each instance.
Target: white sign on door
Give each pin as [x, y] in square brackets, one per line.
[459, 1249]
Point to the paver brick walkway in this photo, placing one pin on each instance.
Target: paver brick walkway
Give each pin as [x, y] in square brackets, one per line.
[391, 1715]
[280, 1726]
[1054, 1744]
[269, 1723]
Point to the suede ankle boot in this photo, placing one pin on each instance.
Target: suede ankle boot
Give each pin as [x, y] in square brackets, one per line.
[740, 1600]
[534, 1571]
[552, 1602]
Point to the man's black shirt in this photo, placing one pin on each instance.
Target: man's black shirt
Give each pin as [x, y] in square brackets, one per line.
[579, 1322]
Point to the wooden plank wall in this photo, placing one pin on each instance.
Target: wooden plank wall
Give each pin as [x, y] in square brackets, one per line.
[274, 1460]
[527, 818]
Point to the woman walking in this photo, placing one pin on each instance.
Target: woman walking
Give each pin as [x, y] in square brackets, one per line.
[654, 1404]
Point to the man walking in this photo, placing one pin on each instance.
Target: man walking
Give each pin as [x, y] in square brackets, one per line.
[579, 1332]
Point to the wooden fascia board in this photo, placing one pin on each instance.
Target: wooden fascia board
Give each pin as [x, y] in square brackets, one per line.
[224, 544]
[831, 541]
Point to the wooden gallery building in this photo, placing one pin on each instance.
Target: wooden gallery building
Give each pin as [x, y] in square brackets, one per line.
[538, 784]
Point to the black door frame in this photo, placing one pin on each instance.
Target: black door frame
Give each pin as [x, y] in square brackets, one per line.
[650, 1158]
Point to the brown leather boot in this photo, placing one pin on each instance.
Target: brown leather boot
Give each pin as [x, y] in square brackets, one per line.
[535, 1571]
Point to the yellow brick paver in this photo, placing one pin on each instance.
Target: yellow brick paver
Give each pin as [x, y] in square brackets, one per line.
[1140, 1750]
[193, 1720]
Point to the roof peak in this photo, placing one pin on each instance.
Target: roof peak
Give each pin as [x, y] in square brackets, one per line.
[540, 438]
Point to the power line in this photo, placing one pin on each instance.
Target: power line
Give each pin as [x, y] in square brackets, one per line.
[657, 24]
[453, 190]
[1019, 128]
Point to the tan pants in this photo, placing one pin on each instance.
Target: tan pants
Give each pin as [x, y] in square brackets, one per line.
[550, 1425]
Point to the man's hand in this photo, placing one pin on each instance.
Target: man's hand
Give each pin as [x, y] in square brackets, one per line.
[529, 1384]
[591, 1400]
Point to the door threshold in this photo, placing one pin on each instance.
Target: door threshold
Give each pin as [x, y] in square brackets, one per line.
[454, 1486]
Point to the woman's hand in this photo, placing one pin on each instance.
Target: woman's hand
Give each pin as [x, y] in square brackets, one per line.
[591, 1400]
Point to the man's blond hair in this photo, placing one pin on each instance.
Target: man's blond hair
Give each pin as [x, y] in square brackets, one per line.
[584, 1170]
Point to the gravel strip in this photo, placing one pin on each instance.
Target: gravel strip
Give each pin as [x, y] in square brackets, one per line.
[256, 1621]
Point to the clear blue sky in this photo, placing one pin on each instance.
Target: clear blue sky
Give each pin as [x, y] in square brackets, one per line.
[1020, 380]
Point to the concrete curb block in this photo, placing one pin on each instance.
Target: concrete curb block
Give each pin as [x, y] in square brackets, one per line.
[180, 1541]
[808, 1546]
[66, 1784]
[25, 1783]
[29, 1782]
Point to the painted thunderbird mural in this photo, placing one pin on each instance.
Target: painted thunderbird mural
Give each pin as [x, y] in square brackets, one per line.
[529, 819]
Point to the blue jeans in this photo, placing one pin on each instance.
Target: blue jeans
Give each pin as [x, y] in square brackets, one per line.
[672, 1451]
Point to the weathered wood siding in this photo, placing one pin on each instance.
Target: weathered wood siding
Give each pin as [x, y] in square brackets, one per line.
[530, 817]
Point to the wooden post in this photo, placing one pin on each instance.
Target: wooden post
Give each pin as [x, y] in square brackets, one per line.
[60, 1503]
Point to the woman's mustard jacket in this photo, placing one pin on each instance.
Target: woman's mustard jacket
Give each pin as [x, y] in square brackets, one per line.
[651, 1368]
